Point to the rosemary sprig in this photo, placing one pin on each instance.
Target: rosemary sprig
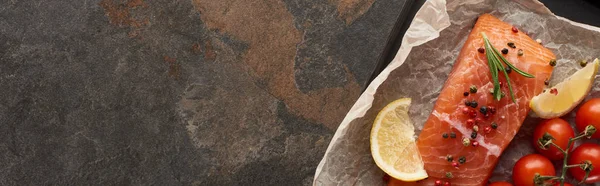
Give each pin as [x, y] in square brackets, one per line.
[495, 60]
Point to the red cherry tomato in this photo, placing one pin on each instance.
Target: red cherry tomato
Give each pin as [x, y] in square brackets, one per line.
[566, 184]
[560, 130]
[586, 152]
[526, 168]
[501, 183]
[589, 114]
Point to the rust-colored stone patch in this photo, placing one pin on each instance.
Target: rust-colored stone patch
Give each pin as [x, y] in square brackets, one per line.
[350, 10]
[119, 14]
[269, 30]
[196, 48]
[174, 67]
[209, 53]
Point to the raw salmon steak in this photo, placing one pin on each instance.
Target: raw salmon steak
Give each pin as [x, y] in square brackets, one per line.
[449, 115]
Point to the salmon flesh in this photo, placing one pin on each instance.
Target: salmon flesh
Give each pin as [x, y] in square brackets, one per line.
[449, 116]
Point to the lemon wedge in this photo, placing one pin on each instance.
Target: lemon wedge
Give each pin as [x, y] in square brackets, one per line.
[563, 97]
[392, 143]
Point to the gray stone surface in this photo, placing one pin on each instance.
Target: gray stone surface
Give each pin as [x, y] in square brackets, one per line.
[179, 92]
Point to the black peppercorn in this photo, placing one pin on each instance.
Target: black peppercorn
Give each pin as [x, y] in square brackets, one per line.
[445, 135]
[508, 70]
[462, 160]
[473, 104]
[511, 45]
[483, 110]
[494, 125]
[553, 62]
[505, 51]
[583, 63]
[466, 94]
[473, 135]
[449, 158]
[452, 135]
[473, 89]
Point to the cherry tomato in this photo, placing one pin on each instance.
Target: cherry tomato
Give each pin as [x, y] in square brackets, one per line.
[566, 184]
[501, 183]
[560, 130]
[526, 168]
[589, 114]
[586, 152]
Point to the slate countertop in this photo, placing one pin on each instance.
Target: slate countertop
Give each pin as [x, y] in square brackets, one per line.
[180, 92]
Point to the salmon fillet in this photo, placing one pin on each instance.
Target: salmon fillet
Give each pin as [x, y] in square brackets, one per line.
[471, 68]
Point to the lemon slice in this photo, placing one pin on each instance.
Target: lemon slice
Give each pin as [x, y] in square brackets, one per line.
[563, 97]
[392, 143]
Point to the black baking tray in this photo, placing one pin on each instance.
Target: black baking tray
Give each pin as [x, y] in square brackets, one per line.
[583, 11]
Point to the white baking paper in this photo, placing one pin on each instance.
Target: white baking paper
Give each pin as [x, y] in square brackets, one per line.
[421, 66]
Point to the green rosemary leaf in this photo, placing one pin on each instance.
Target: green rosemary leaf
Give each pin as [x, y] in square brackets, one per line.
[495, 60]
[512, 95]
[525, 74]
[493, 65]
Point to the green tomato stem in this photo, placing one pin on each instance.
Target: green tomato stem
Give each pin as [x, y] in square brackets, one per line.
[566, 157]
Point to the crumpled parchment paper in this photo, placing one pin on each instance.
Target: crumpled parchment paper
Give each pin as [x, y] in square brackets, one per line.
[421, 66]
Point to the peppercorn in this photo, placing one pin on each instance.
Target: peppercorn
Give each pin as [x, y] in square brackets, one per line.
[462, 160]
[467, 103]
[554, 91]
[465, 111]
[552, 62]
[504, 51]
[473, 104]
[481, 50]
[492, 109]
[546, 82]
[487, 130]
[465, 94]
[475, 144]
[494, 125]
[473, 135]
[445, 135]
[438, 183]
[449, 175]
[449, 158]
[483, 110]
[472, 114]
[508, 70]
[473, 89]
[520, 52]
[514, 29]
[475, 128]
[470, 122]
[466, 141]
[583, 63]
[452, 135]
[511, 45]
[455, 164]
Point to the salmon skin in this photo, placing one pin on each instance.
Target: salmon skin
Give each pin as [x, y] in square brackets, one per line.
[448, 115]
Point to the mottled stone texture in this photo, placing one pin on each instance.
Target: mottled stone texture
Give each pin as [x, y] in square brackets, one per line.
[179, 92]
